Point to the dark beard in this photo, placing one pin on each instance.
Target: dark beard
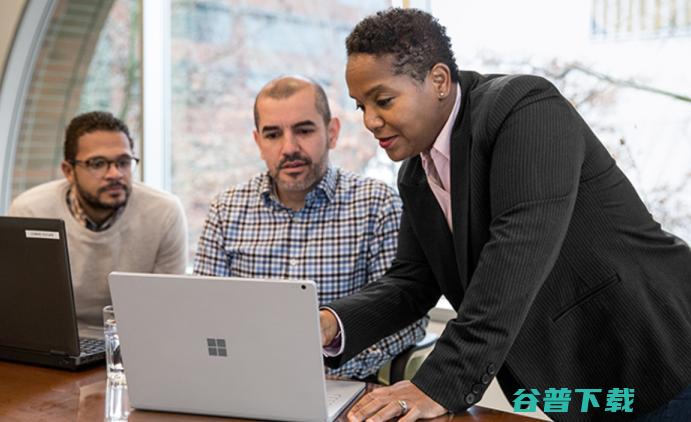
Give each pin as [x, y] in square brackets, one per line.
[94, 202]
[314, 174]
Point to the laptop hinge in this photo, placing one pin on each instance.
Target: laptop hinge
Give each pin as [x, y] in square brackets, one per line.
[58, 353]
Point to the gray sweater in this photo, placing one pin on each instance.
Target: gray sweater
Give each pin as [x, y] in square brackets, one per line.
[149, 236]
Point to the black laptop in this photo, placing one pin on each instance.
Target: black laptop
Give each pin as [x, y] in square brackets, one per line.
[38, 323]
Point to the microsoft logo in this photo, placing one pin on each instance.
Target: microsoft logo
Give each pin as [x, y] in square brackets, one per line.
[217, 346]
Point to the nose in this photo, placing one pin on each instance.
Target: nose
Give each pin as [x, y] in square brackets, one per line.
[372, 121]
[290, 144]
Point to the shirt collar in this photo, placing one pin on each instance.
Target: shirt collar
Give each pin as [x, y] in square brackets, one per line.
[443, 142]
[326, 188]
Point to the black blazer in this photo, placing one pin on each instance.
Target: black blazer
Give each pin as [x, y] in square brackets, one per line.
[560, 276]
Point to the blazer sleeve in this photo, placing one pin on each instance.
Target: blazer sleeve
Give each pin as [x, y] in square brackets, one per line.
[405, 293]
[536, 149]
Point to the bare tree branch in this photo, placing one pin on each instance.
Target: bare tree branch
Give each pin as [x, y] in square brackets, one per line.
[616, 81]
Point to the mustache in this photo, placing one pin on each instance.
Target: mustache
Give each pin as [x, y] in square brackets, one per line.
[112, 185]
[289, 159]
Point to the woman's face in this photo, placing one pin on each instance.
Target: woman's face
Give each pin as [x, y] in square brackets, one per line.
[404, 114]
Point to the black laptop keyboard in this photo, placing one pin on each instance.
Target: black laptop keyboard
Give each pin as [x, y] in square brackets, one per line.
[91, 346]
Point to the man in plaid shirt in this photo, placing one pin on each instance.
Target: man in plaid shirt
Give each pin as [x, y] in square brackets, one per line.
[304, 219]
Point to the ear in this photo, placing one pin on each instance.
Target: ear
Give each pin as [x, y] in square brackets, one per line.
[257, 139]
[440, 75]
[333, 131]
[68, 171]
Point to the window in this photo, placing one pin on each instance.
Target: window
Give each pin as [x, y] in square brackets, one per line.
[622, 63]
[223, 52]
[631, 87]
[89, 60]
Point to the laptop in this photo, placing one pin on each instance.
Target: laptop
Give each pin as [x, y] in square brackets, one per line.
[38, 323]
[244, 348]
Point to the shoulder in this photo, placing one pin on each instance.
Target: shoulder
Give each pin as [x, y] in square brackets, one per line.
[363, 185]
[493, 92]
[356, 188]
[501, 93]
[494, 98]
[488, 85]
[153, 208]
[240, 195]
[41, 200]
[153, 197]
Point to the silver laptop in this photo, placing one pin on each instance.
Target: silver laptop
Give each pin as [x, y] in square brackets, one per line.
[225, 346]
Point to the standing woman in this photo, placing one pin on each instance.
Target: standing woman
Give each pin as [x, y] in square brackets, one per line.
[516, 213]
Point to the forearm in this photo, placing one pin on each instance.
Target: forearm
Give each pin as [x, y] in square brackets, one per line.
[370, 360]
[385, 307]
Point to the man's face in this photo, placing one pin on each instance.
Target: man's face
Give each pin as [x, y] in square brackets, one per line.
[109, 187]
[294, 141]
[402, 113]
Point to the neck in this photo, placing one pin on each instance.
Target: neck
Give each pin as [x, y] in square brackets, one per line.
[96, 215]
[293, 200]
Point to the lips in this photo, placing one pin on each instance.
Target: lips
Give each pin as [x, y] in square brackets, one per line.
[387, 141]
[293, 164]
[113, 188]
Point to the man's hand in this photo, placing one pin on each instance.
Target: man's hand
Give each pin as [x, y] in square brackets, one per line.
[403, 400]
[329, 326]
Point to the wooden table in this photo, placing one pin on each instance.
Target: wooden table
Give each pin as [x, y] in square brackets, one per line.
[31, 393]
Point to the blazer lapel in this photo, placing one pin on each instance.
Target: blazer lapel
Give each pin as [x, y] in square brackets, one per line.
[424, 206]
[430, 224]
[461, 144]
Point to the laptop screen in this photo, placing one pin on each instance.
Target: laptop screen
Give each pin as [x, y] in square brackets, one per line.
[247, 348]
[36, 301]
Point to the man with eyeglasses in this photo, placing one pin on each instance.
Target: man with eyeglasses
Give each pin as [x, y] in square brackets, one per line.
[112, 222]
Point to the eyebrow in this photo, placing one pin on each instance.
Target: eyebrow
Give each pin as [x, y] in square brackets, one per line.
[371, 91]
[294, 126]
[303, 123]
[270, 128]
[107, 158]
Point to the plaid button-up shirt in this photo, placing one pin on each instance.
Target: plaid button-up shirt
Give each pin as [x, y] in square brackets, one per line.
[343, 238]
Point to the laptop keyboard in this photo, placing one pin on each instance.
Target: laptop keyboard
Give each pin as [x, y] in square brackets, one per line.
[91, 346]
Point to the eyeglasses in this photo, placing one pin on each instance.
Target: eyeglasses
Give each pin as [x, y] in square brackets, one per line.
[100, 165]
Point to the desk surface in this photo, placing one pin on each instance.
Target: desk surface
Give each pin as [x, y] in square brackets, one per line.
[30, 393]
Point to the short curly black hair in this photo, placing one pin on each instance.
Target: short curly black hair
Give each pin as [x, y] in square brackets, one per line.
[415, 38]
[91, 122]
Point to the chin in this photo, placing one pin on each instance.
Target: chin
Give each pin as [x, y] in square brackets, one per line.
[396, 156]
[115, 205]
[294, 187]
[111, 202]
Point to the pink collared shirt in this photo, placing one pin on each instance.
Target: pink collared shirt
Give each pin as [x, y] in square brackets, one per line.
[437, 162]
